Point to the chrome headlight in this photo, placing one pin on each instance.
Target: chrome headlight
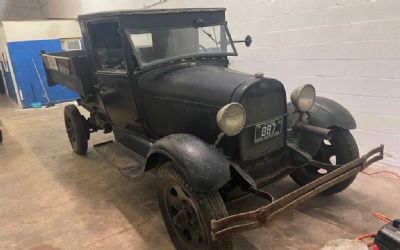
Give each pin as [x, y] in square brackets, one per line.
[303, 97]
[231, 118]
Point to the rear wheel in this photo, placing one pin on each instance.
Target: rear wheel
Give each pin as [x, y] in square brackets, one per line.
[187, 214]
[77, 129]
[341, 149]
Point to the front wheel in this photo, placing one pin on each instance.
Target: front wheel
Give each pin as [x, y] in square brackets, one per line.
[341, 149]
[187, 214]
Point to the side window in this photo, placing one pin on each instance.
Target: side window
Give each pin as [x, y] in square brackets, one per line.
[107, 46]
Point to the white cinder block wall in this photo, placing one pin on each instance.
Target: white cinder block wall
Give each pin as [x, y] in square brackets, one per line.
[68, 9]
[349, 50]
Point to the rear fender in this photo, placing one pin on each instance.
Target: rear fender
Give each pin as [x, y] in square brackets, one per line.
[205, 168]
[325, 113]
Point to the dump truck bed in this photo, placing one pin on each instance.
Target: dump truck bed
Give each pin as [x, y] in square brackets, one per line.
[70, 69]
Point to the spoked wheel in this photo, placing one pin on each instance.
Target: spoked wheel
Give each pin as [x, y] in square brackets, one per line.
[184, 216]
[77, 129]
[341, 149]
[187, 214]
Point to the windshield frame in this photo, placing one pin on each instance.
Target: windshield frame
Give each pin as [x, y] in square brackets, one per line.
[128, 33]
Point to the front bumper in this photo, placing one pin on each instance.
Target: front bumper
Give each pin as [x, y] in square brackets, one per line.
[256, 218]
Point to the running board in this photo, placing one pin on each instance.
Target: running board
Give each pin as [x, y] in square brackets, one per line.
[125, 160]
[257, 218]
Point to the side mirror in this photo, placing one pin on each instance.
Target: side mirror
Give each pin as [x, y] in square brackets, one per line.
[247, 41]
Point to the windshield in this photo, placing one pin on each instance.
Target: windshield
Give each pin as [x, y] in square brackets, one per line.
[172, 43]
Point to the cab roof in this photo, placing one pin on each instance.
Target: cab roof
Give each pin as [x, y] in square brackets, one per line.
[157, 17]
[115, 13]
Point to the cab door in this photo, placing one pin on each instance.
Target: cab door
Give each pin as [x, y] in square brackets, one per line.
[113, 79]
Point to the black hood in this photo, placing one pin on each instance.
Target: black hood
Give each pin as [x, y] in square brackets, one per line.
[185, 98]
[202, 84]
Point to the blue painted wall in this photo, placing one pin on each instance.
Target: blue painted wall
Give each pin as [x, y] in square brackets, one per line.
[21, 54]
[9, 83]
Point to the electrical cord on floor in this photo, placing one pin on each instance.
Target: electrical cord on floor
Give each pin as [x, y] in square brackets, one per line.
[382, 172]
[370, 243]
[367, 236]
[377, 215]
[381, 217]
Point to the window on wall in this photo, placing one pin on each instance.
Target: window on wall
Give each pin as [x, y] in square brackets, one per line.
[71, 44]
[107, 46]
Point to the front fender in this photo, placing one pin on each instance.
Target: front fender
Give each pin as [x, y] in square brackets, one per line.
[328, 113]
[205, 168]
[325, 113]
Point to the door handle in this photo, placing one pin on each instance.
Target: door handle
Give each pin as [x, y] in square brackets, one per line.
[106, 92]
[101, 88]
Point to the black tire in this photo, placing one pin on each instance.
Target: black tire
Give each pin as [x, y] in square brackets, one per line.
[1, 136]
[187, 214]
[343, 147]
[77, 129]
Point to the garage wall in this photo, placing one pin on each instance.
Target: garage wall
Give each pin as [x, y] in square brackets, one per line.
[68, 9]
[349, 49]
[20, 9]
[41, 30]
[23, 42]
[6, 67]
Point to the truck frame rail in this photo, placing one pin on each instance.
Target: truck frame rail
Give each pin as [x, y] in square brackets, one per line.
[259, 217]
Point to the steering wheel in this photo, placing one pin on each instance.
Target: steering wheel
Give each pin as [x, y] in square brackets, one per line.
[201, 47]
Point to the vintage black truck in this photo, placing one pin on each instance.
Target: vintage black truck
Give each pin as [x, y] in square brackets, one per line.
[159, 81]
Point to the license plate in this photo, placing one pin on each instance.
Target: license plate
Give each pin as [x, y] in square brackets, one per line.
[268, 129]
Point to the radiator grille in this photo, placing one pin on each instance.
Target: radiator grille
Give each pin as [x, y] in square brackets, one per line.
[262, 103]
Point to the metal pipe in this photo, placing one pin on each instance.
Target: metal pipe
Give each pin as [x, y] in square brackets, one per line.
[219, 139]
[322, 132]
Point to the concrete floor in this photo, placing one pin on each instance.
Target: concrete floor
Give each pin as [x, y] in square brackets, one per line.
[51, 198]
